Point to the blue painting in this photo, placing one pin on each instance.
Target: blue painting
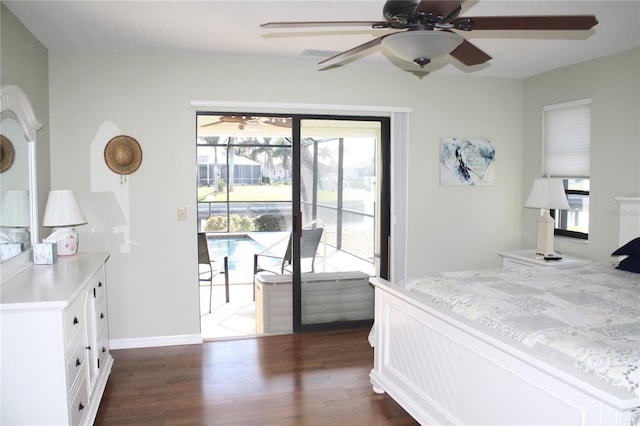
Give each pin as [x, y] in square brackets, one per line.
[467, 161]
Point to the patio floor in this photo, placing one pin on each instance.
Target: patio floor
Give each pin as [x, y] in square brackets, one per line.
[228, 320]
[236, 319]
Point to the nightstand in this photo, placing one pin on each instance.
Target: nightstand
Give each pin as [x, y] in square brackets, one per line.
[520, 259]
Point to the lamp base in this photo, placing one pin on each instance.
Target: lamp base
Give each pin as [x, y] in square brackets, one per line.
[546, 225]
[66, 240]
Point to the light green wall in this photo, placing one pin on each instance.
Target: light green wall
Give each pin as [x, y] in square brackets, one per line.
[613, 84]
[152, 271]
[24, 63]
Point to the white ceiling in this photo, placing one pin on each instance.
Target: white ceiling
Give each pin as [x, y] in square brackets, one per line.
[224, 27]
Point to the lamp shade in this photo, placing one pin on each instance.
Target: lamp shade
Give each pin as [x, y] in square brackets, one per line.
[14, 211]
[547, 193]
[63, 209]
[421, 46]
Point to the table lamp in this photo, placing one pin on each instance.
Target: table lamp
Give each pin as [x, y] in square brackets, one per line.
[546, 194]
[63, 212]
[14, 217]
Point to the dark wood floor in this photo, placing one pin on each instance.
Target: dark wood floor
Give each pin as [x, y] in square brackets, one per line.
[304, 379]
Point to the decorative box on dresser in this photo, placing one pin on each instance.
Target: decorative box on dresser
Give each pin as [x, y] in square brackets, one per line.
[55, 358]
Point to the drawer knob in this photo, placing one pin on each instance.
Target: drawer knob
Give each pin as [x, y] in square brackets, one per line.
[99, 283]
[78, 362]
[104, 349]
[101, 315]
[80, 406]
[88, 347]
[75, 320]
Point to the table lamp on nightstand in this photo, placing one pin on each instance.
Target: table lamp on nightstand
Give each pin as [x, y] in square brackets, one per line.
[63, 212]
[546, 194]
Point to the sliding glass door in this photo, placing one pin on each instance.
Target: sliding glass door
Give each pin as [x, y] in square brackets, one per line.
[307, 194]
[342, 179]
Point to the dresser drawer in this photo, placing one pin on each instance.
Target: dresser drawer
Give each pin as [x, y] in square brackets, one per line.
[75, 338]
[79, 401]
[102, 333]
[76, 360]
[74, 319]
[98, 283]
[101, 312]
[513, 264]
[102, 349]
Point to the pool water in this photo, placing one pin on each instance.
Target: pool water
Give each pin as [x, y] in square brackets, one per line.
[240, 250]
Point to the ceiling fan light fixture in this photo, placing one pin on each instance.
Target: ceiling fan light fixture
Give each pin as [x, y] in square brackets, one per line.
[422, 46]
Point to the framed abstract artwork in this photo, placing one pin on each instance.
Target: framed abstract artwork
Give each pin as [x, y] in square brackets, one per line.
[467, 161]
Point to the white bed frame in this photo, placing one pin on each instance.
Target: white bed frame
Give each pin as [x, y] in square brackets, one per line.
[442, 371]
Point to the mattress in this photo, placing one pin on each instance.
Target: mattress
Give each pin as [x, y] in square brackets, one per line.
[585, 318]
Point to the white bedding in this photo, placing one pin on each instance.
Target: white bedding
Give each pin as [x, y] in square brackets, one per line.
[588, 318]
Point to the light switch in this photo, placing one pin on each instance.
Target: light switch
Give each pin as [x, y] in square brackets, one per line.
[182, 214]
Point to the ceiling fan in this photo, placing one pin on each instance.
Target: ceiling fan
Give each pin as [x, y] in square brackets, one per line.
[247, 122]
[430, 26]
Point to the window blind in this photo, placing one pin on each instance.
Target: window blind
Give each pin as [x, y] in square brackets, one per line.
[567, 139]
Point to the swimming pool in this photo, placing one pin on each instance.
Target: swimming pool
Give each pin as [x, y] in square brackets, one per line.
[239, 248]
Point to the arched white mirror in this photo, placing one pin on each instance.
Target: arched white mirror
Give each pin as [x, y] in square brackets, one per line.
[18, 192]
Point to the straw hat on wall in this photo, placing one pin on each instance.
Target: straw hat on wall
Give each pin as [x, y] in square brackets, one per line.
[7, 153]
[123, 155]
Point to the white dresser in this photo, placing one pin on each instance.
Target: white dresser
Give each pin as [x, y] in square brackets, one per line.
[55, 358]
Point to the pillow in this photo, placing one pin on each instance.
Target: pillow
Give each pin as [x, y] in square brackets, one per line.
[632, 248]
[631, 264]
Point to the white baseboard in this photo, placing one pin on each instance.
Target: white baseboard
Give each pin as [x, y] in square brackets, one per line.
[152, 342]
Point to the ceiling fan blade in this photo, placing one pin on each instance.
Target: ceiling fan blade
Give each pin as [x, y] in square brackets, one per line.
[469, 54]
[442, 8]
[211, 124]
[279, 122]
[348, 53]
[303, 24]
[569, 22]
[233, 119]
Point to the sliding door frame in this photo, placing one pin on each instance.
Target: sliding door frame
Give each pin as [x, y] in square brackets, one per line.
[399, 159]
[382, 233]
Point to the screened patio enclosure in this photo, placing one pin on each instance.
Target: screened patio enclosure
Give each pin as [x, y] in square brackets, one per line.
[245, 171]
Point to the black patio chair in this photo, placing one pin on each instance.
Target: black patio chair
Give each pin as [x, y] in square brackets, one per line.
[204, 258]
[309, 242]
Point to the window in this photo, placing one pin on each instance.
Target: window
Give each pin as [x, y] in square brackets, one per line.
[567, 155]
